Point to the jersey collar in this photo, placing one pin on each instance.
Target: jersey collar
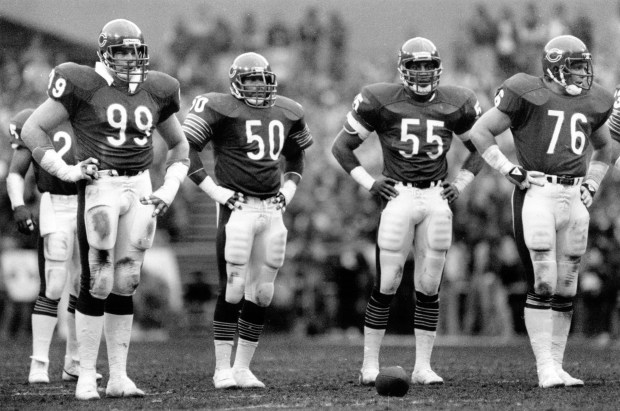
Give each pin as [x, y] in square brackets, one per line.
[102, 70]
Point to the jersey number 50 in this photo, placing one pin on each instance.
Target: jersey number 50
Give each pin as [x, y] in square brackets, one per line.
[275, 131]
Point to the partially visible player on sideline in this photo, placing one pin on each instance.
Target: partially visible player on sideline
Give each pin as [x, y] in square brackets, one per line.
[114, 109]
[553, 119]
[415, 122]
[57, 245]
[249, 129]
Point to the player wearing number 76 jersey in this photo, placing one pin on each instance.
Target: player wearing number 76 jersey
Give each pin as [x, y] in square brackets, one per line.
[249, 130]
[114, 109]
[553, 120]
[415, 122]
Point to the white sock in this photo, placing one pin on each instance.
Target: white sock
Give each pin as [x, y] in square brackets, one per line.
[117, 329]
[539, 326]
[42, 332]
[424, 341]
[88, 331]
[223, 353]
[245, 353]
[561, 328]
[372, 345]
[72, 345]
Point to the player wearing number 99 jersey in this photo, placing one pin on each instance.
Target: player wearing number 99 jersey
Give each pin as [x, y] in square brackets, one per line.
[249, 130]
[114, 109]
[415, 125]
[553, 120]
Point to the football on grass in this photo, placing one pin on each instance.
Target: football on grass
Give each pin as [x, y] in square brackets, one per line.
[392, 381]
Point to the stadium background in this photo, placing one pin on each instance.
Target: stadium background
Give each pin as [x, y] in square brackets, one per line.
[330, 263]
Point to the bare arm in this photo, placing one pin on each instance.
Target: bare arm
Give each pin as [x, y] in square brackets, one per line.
[599, 163]
[470, 168]
[20, 163]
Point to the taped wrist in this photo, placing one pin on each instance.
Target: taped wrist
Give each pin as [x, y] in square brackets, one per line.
[175, 174]
[288, 190]
[595, 175]
[216, 192]
[462, 179]
[53, 163]
[362, 177]
[15, 189]
[496, 159]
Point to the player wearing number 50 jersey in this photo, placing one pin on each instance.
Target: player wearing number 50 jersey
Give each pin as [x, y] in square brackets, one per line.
[553, 120]
[114, 109]
[415, 125]
[249, 130]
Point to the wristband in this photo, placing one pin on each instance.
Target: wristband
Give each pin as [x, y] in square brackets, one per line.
[216, 192]
[462, 179]
[15, 189]
[362, 177]
[288, 190]
[175, 174]
[596, 173]
[496, 159]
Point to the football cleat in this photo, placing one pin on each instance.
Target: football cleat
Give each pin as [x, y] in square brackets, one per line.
[569, 380]
[38, 372]
[425, 377]
[86, 387]
[71, 370]
[223, 379]
[246, 379]
[549, 378]
[368, 376]
[123, 387]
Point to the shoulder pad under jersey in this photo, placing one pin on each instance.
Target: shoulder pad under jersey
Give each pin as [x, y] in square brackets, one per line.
[290, 106]
[528, 87]
[456, 95]
[83, 77]
[383, 93]
[602, 100]
[161, 84]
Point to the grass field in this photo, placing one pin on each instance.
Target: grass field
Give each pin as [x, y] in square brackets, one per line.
[321, 373]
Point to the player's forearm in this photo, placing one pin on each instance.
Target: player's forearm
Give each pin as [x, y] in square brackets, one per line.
[342, 150]
[294, 166]
[197, 172]
[15, 189]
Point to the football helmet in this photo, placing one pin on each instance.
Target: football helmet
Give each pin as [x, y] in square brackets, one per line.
[123, 35]
[261, 93]
[419, 65]
[559, 58]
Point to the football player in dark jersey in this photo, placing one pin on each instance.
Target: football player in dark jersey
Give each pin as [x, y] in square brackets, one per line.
[553, 120]
[114, 109]
[57, 247]
[250, 130]
[415, 125]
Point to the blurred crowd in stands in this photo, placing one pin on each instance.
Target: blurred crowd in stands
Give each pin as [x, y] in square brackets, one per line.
[332, 222]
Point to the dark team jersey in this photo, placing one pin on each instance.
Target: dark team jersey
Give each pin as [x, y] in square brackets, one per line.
[247, 142]
[614, 119]
[551, 132]
[62, 138]
[415, 136]
[110, 123]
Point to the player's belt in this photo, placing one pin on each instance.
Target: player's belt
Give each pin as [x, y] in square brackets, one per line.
[566, 181]
[422, 184]
[116, 173]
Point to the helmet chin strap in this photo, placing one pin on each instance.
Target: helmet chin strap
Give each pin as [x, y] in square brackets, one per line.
[571, 89]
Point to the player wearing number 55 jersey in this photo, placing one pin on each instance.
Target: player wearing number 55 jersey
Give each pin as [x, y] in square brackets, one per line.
[415, 125]
[249, 129]
[114, 109]
[553, 120]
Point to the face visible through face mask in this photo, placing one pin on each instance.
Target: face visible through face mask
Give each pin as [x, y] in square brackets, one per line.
[126, 65]
[255, 90]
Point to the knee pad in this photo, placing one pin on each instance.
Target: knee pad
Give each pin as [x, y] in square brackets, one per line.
[55, 279]
[545, 273]
[439, 233]
[57, 253]
[101, 227]
[539, 238]
[263, 294]
[235, 286]
[428, 276]
[101, 273]
[127, 276]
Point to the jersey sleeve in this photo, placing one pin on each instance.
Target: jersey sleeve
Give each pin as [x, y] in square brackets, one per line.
[614, 119]
[15, 129]
[299, 137]
[508, 101]
[171, 104]
[364, 117]
[200, 122]
[63, 89]
[471, 111]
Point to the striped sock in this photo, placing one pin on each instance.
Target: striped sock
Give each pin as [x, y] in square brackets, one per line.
[44, 320]
[425, 319]
[539, 326]
[375, 324]
[251, 323]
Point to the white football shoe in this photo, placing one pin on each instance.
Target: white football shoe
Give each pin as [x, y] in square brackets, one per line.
[246, 379]
[569, 380]
[86, 387]
[38, 372]
[368, 376]
[122, 387]
[425, 377]
[71, 370]
[223, 379]
[549, 378]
